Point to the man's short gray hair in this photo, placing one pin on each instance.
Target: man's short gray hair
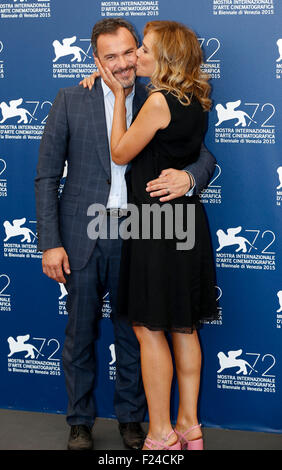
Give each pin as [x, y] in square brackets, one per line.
[111, 26]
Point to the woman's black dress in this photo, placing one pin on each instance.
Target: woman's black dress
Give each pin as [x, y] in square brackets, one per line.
[163, 287]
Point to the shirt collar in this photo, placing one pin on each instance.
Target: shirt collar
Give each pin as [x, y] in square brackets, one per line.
[107, 91]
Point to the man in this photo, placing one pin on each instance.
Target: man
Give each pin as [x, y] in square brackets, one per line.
[78, 130]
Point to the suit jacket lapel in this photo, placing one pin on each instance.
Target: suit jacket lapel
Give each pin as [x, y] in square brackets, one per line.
[99, 125]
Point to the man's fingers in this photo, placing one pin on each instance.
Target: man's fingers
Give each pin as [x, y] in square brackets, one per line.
[58, 275]
[67, 268]
[150, 183]
[160, 179]
[157, 185]
[161, 192]
[166, 172]
[54, 263]
[66, 265]
[54, 272]
[49, 272]
[44, 269]
[164, 196]
[169, 197]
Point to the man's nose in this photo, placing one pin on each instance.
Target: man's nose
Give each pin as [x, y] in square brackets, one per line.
[122, 63]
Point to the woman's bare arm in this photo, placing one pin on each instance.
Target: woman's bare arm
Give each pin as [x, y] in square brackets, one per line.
[127, 144]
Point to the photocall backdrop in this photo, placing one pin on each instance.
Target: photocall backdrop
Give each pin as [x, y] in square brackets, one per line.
[44, 46]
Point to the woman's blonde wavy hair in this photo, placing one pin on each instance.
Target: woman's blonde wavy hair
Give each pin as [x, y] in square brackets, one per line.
[179, 58]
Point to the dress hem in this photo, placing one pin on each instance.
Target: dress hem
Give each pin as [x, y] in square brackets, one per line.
[175, 329]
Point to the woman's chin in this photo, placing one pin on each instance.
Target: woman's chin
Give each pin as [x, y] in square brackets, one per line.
[139, 73]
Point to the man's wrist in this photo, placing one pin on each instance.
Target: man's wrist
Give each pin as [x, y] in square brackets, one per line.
[191, 181]
[51, 248]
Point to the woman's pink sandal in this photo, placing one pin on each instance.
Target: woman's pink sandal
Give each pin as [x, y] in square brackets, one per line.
[161, 445]
[197, 444]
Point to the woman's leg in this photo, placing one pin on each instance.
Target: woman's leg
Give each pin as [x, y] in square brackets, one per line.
[187, 354]
[157, 372]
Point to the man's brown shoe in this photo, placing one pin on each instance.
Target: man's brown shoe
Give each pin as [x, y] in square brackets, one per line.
[132, 434]
[80, 438]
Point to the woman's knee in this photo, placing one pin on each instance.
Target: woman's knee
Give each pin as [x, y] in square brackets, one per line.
[143, 334]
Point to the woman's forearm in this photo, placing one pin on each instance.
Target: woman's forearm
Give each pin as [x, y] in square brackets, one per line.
[119, 126]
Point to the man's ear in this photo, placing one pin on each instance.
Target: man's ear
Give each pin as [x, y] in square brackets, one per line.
[95, 58]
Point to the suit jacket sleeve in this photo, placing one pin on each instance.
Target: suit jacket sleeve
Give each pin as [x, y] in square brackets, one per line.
[202, 169]
[52, 156]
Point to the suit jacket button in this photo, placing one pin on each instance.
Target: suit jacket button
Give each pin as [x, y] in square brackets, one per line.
[109, 181]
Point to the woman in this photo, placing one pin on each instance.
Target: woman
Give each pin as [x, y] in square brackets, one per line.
[164, 289]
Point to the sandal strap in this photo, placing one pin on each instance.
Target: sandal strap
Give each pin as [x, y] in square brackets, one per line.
[150, 442]
[182, 435]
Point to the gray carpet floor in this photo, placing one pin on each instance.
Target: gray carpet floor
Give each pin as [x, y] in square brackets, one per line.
[21, 430]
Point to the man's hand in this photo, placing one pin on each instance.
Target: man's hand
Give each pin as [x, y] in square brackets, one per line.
[55, 262]
[169, 185]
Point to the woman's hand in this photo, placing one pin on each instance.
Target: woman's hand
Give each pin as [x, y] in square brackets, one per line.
[88, 82]
[109, 78]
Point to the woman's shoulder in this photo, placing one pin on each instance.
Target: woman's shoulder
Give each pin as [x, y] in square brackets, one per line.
[174, 98]
[157, 98]
[157, 102]
[155, 111]
[164, 99]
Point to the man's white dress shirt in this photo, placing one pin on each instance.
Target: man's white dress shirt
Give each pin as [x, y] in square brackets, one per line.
[118, 192]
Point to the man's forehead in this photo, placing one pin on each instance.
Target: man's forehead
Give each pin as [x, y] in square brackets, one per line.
[115, 43]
